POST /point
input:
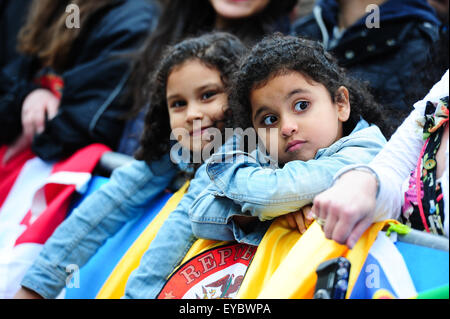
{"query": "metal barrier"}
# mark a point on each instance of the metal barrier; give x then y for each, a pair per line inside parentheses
(110, 161)
(421, 238)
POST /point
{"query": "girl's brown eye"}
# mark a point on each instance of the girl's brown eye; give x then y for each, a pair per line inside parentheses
(176, 104)
(301, 106)
(269, 120)
(208, 95)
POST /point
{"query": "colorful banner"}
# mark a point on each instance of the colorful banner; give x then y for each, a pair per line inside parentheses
(35, 200)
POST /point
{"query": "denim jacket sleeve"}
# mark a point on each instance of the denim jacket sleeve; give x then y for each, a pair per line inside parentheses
(97, 218)
(168, 248)
(211, 215)
(268, 193)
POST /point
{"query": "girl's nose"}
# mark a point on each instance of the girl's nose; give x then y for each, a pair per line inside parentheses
(193, 113)
(288, 128)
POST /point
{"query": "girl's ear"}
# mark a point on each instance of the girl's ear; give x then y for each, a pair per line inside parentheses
(342, 102)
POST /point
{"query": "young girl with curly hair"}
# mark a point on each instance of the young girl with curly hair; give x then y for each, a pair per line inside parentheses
(190, 84)
(312, 120)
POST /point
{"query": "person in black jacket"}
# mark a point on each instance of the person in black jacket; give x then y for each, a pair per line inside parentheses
(64, 90)
(12, 17)
(383, 52)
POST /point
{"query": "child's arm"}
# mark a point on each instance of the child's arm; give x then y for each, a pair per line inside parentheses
(166, 251)
(97, 218)
(268, 193)
(216, 217)
(168, 248)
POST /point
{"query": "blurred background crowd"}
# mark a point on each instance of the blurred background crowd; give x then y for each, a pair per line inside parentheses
(64, 88)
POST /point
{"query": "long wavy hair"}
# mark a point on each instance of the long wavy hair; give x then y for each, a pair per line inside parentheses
(187, 18)
(45, 34)
(218, 50)
(278, 54)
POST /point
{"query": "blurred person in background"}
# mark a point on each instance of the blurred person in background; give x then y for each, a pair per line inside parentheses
(380, 44)
(441, 7)
(12, 17)
(303, 8)
(63, 90)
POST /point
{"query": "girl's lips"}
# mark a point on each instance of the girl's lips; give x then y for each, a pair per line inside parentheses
(199, 132)
(294, 145)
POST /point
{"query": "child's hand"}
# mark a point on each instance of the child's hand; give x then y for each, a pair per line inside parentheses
(25, 293)
(300, 219)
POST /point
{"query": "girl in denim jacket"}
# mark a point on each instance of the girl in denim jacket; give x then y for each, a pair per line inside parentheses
(311, 118)
(189, 94)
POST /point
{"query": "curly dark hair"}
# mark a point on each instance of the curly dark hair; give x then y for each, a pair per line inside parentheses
(277, 54)
(219, 50)
(188, 18)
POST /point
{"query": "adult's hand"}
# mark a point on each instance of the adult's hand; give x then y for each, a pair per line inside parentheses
(346, 209)
(37, 106)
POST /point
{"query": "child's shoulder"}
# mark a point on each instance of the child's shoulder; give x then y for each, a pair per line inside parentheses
(364, 135)
(364, 130)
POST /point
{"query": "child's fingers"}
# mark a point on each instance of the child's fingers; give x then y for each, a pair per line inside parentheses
(300, 222)
(307, 215)
(290, 220)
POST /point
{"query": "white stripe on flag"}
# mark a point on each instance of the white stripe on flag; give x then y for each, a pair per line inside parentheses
(393, 265)
(79, 179)
(20, 197)
(39, 203)
(14, 265)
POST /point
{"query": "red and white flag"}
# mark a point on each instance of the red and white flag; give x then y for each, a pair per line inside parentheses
(34, 199)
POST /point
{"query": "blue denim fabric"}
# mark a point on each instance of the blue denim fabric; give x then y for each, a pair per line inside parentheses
(168, 248)
(267, 192)
(99, 217)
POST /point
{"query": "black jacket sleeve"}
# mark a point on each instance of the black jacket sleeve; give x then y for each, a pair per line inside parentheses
(14, 87)
(91, 102)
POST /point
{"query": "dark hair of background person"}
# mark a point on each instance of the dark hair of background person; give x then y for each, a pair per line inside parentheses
(45, 35)
(426, 75)
(218, 50)
(183, 18)
(278, 54)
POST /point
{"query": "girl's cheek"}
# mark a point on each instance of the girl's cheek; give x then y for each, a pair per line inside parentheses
(171, 120)
(221, 109)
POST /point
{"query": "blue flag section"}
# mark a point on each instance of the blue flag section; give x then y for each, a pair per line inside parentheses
(93, 275)
(401, 270)
(428, 267)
